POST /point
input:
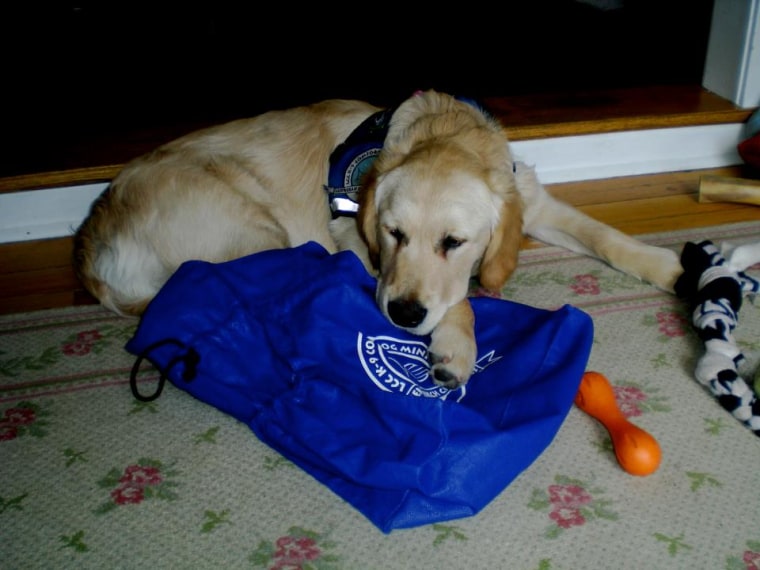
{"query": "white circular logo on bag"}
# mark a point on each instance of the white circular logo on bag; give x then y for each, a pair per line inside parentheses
(401, 366)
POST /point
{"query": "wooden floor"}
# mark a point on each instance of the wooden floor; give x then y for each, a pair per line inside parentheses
(655, 203)
(38, 275)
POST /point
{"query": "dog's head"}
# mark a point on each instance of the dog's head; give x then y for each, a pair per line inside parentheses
(439, 205)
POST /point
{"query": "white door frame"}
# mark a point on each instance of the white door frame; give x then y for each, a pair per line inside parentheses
(732, 63)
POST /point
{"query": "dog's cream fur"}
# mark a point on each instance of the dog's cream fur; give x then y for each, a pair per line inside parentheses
(441, 203)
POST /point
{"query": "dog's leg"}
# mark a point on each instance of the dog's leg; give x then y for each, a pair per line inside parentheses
(556, 223)
(345, 236)
(453, 352)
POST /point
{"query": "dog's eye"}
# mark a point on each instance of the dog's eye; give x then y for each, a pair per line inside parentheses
(398, 235)
(450, 242)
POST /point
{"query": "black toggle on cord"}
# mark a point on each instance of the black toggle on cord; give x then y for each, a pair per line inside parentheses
(190, 359)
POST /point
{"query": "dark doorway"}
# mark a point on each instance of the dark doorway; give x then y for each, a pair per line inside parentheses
(91, 69)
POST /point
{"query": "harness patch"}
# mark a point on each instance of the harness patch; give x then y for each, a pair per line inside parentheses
(350, 161)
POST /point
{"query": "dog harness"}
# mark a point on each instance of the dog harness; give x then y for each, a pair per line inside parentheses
(352, 159)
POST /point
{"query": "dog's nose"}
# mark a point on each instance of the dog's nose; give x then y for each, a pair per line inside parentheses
(406, 313)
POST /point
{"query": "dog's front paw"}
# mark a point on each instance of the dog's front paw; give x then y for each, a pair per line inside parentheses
(452, 356)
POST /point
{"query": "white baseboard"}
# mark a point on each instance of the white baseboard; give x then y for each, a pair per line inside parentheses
(49, 213)
(629, 153)
(57, 212)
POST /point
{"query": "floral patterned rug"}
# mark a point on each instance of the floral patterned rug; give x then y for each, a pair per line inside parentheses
(92, 478)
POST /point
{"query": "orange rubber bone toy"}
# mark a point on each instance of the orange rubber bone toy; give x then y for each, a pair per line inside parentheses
(636, 450)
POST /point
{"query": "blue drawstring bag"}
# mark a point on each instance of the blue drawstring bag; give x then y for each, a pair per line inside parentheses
(292, 343)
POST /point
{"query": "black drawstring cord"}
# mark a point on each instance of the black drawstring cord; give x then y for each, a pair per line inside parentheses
(190, 359)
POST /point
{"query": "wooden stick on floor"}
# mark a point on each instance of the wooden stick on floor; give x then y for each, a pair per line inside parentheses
(726, 189)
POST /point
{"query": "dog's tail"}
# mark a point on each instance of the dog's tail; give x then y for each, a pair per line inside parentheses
(85, 263)
(95, 266)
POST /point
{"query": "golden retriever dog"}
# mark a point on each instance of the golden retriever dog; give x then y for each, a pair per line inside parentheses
(442, 201)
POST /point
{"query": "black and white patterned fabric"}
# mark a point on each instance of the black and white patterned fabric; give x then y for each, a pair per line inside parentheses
(714, 289)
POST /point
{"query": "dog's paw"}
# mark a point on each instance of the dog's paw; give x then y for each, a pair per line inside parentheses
(452, 354)
(741, 257)
(656, 265)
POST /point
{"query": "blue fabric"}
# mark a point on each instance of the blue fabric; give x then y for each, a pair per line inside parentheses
(292, 343)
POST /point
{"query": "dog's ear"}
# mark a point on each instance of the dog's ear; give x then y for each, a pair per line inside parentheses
(500, 258)
(366, 217)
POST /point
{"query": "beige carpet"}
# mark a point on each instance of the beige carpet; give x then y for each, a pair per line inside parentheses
(205, 493)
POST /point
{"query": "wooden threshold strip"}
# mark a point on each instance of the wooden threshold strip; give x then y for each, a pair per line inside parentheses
(530, 132)
(57, 178)
(581, 113)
